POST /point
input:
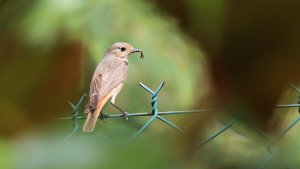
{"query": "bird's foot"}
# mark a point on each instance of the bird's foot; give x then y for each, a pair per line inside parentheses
(126, 115)
(103, 116)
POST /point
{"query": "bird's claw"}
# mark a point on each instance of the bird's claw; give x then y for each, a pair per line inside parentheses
(126, 115)
(103, 116)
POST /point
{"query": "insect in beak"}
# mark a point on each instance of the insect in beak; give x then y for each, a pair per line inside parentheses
(138, 50)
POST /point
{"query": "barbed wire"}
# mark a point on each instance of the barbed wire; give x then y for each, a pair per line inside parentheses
(155, 114)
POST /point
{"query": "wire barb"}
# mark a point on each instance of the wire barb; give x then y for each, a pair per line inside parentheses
(156, 114)
(154, 111)
(74, 117)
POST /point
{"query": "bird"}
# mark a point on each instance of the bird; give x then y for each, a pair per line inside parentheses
(107, 81)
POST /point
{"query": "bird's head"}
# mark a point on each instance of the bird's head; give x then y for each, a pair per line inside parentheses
(122, 50)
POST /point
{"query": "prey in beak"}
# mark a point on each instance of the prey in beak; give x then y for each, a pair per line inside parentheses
(138, 50)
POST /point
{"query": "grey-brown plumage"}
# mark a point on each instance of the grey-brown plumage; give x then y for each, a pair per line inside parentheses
(109, 74)
(107, 81)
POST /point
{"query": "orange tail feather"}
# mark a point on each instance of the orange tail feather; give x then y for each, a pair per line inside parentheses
(92, 117)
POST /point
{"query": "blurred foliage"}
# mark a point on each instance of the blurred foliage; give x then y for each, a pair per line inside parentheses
(251, 47)
(57, 45)
(49, 50)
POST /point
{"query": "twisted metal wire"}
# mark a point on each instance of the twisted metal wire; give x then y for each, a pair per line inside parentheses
(74, 117)
(154, 111)
(273, 142)
(284, 132)
(156, 114)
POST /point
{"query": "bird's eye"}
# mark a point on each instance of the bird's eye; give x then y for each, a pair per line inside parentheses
(122, 49)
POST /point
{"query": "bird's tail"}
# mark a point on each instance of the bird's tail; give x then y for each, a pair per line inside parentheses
(92, 118)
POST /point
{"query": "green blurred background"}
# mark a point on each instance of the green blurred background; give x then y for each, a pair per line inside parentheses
(235, 55)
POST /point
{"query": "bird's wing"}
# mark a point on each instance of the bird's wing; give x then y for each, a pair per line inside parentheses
(94, 90)
(109, 74)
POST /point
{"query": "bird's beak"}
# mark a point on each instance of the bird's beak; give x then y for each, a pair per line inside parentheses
(138, 50)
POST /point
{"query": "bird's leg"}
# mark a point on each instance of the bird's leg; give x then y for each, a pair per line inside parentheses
(103, 116)
(124, 112)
